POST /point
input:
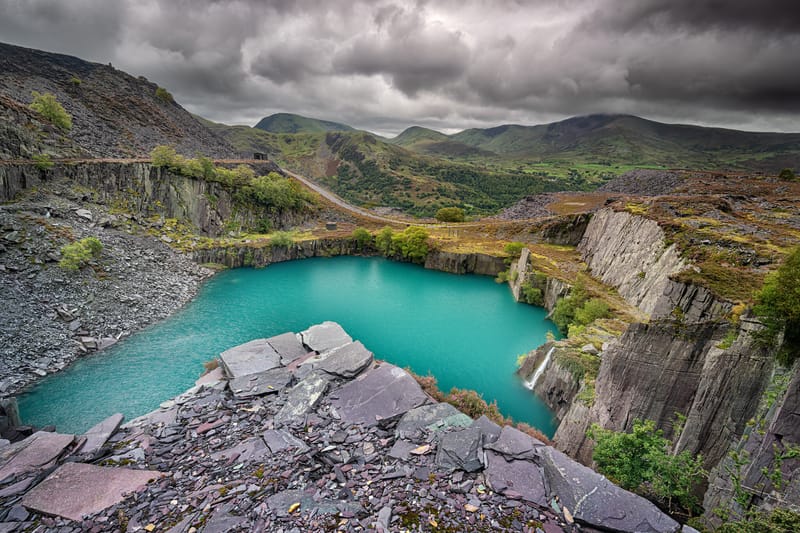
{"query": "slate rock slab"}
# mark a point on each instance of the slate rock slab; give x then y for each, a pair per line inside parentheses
(325, 336)
(249, 358)
(32, 453)
(434, 417)
(281, 502)
(346, 361)
(594, 500)
(278, 440)
(288, 346)
(303, 397)
(97, 436)
(378, 396)
(461, 450)
(78, 489)
(515, 444)
(522, 477)
(261, 383)
(252, 449)
(489, 430)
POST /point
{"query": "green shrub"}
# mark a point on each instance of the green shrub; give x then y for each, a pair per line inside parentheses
(362, 238)
(514, 249)
(43, 161)
(450, 214)
(787, 174)
(532, 295)
(76, 255)
(778, 521)
(778, 306)
(47, 106)
(590, 311)
(281, 239)
(640, 461)
(383, 241)
(411, 243)
(164, 95)
(502, 277)
(278, 193)
(75, 81)
(163, 156)
(564, 312)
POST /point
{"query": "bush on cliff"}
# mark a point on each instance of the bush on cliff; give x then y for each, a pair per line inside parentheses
(577, 310)
(77, 254)
(362, 238)
(411, 243)
(779, 307)
(47, 106)
(641, 461)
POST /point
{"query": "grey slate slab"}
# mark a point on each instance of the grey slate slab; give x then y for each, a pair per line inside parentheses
(78, 489)
(379, 395)
(288, 346)
(325, 336)
(433, 417)
(32, 453)
(261, 383)
(515, 444)
(594, 500)
(249, 358)
(279, 439)
(524, 478)
(461, 450)
(401, 449)
(282, 501)
(489, 430)
(346, 361)
(97, 436)
(303, 397)
(252, 449)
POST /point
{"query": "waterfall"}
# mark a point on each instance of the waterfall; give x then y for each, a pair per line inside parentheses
(540, 370)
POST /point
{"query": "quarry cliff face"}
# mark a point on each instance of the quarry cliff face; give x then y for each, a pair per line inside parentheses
(689, 360)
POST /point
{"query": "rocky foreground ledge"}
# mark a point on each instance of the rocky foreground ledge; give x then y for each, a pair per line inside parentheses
(307, 432)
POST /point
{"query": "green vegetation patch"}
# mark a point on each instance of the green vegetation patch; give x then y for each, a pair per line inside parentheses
(78, 254)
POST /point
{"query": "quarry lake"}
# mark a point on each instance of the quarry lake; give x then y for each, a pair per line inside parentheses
(467, 331)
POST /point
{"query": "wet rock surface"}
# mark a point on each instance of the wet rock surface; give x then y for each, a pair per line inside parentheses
(332, 462)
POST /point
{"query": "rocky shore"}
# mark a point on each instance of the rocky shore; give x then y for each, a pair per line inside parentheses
(51, 316)
(307, 432)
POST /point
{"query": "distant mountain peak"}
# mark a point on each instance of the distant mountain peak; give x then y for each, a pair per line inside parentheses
(293, 123)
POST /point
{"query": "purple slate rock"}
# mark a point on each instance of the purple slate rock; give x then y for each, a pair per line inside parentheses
(252, 449)
(325, 336)
(222, 521)
(278, 440)
(288, 346)
(32, 453)
(378, 396)
(97, 436)
(249, 358)
(521, 477)
(489, 430)
(460, 450)
(78, 489)
(303, 397)
(515, 444)
(346, 361)
(594, 500)
(261, 383)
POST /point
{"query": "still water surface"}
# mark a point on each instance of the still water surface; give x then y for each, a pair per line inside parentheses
(465, 330)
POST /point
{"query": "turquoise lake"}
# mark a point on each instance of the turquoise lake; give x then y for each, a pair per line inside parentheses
(465, 330)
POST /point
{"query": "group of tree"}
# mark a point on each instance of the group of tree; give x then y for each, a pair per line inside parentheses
(577, 310)
(411, 243)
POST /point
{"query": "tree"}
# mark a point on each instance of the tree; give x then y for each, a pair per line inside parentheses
(163, 156)
(514, 249)
(640, 461)
(412, 243)
(450, 214)
(47, 106)
(778, 306)
(362, 238)
(383, 241)
(787, 174)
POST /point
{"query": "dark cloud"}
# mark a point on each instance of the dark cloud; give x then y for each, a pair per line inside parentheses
(385, 64)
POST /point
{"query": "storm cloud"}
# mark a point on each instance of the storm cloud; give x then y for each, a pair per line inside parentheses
(448, 64)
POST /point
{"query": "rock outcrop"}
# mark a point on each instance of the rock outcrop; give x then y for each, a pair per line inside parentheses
(324, 451)
(521, 273)
(465, 263)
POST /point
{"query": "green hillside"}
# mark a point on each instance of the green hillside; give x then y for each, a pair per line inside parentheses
(291, 123)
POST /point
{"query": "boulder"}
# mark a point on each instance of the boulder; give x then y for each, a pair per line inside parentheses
(288, 346)
(261, 383)
(379, 396)
(346, 361)
(594, 500)
(325, 336)
(78, 489)
(433, 417)
(461, 450)
(489, 430)
(303, 397)
(250, 358)
(515, 478)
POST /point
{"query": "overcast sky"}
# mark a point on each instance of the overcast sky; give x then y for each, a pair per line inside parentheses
(447, 64)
